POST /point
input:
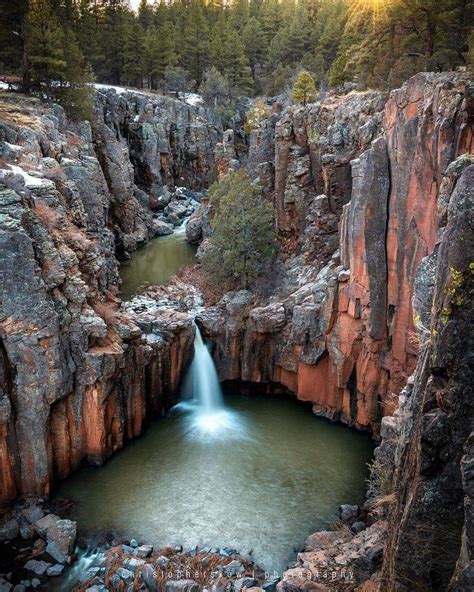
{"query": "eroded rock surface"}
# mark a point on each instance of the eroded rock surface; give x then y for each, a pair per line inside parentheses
(78, 376)
(357, 181)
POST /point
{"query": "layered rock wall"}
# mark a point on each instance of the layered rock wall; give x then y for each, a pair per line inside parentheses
(78, 376)
(340, 332)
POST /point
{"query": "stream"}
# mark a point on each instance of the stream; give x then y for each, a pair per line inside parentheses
(156, 262)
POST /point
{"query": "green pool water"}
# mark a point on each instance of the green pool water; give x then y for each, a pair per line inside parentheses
(275, 475)
(155, 263)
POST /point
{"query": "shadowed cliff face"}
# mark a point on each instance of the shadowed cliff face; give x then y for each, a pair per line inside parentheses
(78, 377)
(340, 331)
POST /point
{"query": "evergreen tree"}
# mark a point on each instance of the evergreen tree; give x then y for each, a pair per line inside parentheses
(304, 90)
(55, 66)
(242, 242)
(178, 79)
(134, 55)
(12, 35)
(75, 91)
(215, 87)
(44, 48)
(254, 42)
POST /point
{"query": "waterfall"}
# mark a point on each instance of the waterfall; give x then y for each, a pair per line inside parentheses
(209, 419)
(206, 388)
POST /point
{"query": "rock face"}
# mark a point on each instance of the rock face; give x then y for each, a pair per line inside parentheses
(433, 507)
(147, 145)
(78, 377)
(342, 332)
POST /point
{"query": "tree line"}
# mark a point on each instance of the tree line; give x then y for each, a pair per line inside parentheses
(240, 47)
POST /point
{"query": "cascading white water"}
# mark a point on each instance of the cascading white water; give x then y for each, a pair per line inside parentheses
(209, 418)
(206, 388)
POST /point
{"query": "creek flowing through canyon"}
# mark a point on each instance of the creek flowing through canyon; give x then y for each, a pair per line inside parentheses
(251, 472)
(156, 262)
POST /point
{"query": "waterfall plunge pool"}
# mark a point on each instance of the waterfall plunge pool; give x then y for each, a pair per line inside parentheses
(278, 477)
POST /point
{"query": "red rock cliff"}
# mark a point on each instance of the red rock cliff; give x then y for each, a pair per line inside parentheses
(340, 331)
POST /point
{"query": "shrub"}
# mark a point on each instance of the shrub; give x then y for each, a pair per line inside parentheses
(255, 116)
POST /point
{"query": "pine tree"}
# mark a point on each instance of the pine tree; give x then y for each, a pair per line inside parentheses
(215, 87)
(242, 243)
(304, 90)
(55, 67)
(75, 93)
(45, 63)
(134, 55)
(12, 35)
(254, 42)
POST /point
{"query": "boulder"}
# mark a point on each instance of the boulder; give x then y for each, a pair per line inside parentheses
(60, 540)
(149, 575)
(270, 584)
(4, 585)
(125, 574)
(9, 530)
(43, 524)
(55, 570)
(162, 228)
(181, 586)
(37, 567)
(348, 512)
(234, 568)
(32, 513)
(144, 551)
(162, 561)
(325, 539)
(244, 583)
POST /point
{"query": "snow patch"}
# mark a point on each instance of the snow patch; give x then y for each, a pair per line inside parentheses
(14, 147)
(193, 99)
(31, 182)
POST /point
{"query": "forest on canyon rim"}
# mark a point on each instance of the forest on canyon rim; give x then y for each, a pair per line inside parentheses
(229, 49)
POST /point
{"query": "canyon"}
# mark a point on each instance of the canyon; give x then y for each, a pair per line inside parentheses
(367, 316)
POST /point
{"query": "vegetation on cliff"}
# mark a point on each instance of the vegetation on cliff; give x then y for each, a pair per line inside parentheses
(242, 242)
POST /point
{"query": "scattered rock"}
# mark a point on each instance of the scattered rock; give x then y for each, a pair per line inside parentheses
(234, 568)
(149, 576)
(55, 570)
(125, 574)
(32, 513)
(358, 526)
(242, 583)
(5, 586)
(144, 551)
(133, 543)
(37, 567)
(348, 512)
(27, 531)
(161, 561)
(134, 564)
(182, 586)
(270, 584)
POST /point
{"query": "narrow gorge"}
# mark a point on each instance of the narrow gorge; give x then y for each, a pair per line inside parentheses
(365, 316)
